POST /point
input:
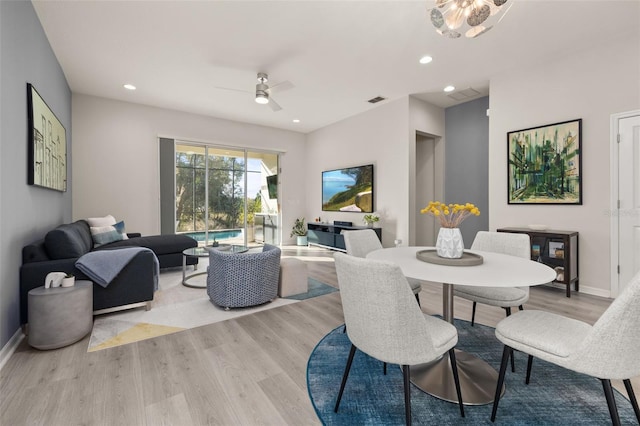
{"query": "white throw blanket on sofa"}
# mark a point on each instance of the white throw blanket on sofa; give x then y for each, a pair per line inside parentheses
(103, 266)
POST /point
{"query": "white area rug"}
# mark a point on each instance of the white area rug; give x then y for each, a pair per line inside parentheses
(174, 308)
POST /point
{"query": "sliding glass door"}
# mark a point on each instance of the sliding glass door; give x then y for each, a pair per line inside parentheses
(222, 194)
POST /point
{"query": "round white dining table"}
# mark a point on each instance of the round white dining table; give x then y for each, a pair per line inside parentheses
(477, 378)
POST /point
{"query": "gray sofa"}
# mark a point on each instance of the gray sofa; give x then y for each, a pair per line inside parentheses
(134, 285)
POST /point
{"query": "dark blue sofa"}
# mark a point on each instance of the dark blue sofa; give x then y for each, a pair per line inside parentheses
(62, 246)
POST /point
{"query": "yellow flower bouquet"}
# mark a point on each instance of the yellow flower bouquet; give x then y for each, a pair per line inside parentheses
(450, 215)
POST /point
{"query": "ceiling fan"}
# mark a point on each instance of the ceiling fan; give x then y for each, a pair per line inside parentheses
(263, 93)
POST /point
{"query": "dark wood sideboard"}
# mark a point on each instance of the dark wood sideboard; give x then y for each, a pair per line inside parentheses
(557, 249)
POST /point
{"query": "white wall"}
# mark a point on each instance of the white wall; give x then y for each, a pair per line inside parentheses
(384, 136)
(115, 152)
(590, 85)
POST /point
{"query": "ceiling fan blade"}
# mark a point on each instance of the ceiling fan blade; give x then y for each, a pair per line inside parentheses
(282, 86)
(274, 105)
(233, 90)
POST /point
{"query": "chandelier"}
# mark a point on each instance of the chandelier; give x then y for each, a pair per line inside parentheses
(471, 17)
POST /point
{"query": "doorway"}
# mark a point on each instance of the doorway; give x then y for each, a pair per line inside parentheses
(625, 199)
(226, 195)
(429, 174)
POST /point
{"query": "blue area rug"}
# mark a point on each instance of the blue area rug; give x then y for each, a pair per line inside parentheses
(316, 288)
(555, 396)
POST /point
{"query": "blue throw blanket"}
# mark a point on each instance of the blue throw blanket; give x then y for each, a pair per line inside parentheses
(103, 266)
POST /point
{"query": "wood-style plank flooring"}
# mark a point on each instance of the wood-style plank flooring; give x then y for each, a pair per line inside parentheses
(244, 371)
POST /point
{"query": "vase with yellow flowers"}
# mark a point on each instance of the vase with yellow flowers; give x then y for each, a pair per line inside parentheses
(449, 243)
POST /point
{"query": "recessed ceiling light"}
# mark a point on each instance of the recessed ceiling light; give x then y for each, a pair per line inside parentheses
(426, 59)
(295, 120)
(449, 89)
(129, 87)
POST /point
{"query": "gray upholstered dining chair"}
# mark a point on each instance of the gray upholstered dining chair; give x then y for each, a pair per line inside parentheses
(362, 242)
(384, 322)
(607, 350)
(236, 280)
(503, 297)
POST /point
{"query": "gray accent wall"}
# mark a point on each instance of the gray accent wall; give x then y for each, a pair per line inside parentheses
(26, 212)
(467, 162)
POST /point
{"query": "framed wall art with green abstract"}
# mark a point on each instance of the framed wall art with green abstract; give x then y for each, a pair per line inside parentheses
(545, 164)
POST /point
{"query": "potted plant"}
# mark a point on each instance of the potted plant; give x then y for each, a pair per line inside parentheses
(300, 231)
(370, 219)
(69, 280)
(449, 243)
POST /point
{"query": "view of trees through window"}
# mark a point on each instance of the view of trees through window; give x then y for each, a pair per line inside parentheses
(219, 203)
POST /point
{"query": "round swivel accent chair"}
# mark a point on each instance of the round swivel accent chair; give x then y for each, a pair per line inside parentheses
(238, 280)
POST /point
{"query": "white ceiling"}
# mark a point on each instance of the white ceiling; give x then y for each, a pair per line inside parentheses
(337, 54)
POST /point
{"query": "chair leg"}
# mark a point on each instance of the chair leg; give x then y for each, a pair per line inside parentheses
(456, 379)
(611, 402)
(529, 363)
(407, 394)
(521, 308)
(503, 369)
(632, 398)
(384, 368)
(513, 364)
(352, 352)
(473, 314)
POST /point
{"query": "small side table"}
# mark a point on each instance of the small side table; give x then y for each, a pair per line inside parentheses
(202, 252)
(60, 316)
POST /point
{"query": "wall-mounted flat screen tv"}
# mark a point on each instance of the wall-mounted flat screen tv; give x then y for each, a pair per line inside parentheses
(272, 186)
(348, 190)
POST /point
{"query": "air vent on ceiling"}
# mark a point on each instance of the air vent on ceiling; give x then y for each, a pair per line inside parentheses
(463, 95)
(376, 100)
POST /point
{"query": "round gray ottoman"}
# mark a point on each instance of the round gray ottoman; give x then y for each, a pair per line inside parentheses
(60, 316)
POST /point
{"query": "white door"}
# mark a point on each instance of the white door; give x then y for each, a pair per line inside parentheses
(629, 196)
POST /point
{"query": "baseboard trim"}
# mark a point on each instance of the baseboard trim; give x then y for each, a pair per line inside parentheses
(10, 347)
(595, 291)
(583, 289)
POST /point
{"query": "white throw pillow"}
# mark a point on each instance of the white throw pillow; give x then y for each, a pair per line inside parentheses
(101, 221)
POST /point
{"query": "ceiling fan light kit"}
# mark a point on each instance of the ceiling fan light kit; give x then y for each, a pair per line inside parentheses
(262, 94)
(262, 89)
(452, 18)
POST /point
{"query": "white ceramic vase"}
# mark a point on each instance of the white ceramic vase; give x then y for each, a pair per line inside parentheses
(301, 240)
(449, 243)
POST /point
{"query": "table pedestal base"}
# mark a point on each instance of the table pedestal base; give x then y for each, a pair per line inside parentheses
(477, 379)
(187, 277)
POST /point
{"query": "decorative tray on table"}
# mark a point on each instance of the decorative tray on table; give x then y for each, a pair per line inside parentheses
(467, 259)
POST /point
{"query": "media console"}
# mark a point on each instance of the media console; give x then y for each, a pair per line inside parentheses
(330, 236)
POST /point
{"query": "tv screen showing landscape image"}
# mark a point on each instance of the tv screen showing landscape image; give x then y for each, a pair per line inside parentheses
(348, 190)
(272, 186)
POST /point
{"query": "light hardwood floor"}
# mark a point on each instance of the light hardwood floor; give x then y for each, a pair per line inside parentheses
(245, 371)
